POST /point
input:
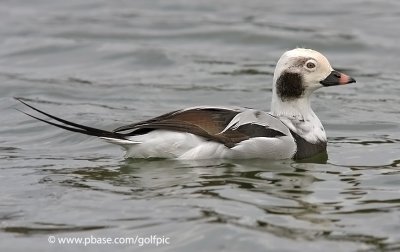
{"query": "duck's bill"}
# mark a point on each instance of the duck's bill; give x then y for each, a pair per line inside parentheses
(337, 78)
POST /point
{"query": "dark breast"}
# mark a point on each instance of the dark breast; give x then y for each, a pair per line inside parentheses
(306, 149)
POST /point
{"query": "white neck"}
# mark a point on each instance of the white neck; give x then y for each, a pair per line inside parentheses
(291, 108)
(298, 115)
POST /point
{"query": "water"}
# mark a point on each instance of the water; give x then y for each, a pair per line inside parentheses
(107, 63)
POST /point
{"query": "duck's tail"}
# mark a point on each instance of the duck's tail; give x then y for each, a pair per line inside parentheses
(110, 136)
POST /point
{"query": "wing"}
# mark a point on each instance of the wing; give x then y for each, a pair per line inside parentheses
(223, 125)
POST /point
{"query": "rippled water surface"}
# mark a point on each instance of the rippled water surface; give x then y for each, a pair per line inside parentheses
(106, 63)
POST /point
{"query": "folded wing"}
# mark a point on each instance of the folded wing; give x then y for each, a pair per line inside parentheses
(223, 125)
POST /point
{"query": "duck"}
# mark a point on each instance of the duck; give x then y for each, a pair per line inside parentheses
(290, 130)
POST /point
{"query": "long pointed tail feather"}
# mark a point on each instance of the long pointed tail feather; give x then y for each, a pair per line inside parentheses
(74, 127)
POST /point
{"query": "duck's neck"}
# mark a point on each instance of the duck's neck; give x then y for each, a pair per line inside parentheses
(299, 107)
(299, 117)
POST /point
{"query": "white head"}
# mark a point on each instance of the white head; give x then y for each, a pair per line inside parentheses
(298, 73)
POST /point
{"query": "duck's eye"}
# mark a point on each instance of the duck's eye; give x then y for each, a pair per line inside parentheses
(310, 65)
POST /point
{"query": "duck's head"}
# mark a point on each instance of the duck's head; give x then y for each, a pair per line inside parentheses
(301, 71)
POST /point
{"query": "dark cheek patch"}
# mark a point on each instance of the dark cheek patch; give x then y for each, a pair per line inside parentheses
(289, 86)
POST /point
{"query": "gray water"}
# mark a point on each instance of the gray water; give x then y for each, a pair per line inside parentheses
(108, 63)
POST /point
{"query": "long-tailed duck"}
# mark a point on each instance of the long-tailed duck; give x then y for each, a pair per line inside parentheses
(290, 130)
